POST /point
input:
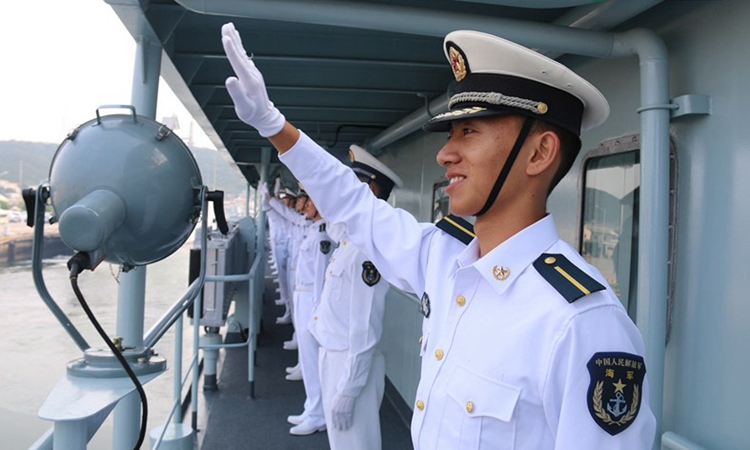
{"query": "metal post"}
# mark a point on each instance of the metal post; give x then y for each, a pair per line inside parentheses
(177, 368)
(132, 290)
(70, 434)
(258, 276)
(197, 308)
(247, 200)
(130, 311)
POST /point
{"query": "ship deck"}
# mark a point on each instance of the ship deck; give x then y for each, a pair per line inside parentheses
(229, 418)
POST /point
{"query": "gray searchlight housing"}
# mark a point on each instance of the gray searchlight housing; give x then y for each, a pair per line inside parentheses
(125, 189)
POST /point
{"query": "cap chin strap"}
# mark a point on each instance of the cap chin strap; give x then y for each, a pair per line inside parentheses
(508, 164)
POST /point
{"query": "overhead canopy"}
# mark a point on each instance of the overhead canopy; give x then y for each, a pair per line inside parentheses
(367, 72)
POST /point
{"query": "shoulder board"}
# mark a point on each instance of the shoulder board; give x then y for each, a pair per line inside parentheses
(457, 227)
(570, 281)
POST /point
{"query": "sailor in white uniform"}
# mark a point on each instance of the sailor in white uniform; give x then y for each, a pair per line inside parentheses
(314, 254)
(279, 230)
(295, 224)
(525, 345)
(348, 324)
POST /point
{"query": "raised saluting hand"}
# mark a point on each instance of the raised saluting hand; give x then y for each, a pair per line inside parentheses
(248, 89)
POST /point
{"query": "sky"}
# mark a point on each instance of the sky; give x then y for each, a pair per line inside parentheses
(61, 60)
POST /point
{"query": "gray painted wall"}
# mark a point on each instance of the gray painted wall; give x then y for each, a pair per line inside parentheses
(706, 364)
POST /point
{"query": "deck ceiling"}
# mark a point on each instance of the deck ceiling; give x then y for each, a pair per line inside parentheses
(336, 69)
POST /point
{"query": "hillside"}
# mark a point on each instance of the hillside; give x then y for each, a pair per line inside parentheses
(29, 162)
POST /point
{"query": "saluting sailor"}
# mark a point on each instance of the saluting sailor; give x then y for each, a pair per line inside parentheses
(348, 324)
(526, 346)
(315, 252)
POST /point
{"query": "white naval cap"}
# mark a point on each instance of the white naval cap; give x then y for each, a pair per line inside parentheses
(495, 76)
(363, 163)
(288, 192)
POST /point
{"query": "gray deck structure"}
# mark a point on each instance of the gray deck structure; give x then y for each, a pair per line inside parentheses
(230, 419)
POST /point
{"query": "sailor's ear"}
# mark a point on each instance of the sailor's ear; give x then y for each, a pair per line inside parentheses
(545, 149)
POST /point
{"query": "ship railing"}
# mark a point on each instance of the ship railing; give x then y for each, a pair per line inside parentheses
(174, 316)
(254, 278)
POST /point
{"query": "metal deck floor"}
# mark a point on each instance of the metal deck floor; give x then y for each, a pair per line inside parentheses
(229, 418)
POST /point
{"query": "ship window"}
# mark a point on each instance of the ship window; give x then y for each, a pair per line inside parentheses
(609, 225)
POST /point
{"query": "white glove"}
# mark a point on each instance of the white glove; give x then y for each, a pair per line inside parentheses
(264, 196)
(342, 411)
(247, 89)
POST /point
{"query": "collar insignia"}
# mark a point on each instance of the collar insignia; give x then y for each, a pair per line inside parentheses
(616, 389)
(500, 273)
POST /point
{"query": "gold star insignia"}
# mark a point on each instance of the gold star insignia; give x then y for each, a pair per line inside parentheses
(619, 386)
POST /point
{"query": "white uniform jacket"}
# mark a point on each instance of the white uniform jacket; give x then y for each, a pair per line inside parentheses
(507, 363)
(350, 314)
(315, 252)
(296, 229)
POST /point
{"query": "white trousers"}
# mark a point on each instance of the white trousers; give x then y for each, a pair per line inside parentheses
(364, 433)
(307, 349)
(281, 255)
(291, 276)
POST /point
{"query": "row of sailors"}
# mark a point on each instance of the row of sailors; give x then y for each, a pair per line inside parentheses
(335, 299)
(525, 344)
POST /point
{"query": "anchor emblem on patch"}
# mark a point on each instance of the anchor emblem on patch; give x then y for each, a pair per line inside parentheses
(424, 305)
(616, 389)
(325, 247)
(370, 274)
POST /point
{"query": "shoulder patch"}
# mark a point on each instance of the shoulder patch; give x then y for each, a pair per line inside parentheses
(370, 274)
(615, 390)
(325, 246)
(457, 227)
(570, 281)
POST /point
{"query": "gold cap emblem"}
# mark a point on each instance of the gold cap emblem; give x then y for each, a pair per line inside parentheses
(457, 63)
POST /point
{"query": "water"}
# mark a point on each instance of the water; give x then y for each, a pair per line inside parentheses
(35, 348)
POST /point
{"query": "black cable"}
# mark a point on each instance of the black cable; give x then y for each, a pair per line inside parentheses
(76, 265)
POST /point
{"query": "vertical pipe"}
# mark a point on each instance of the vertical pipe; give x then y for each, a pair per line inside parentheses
(130, 306)
(653, 234)
(251, 333)
(70, 434)
(146, 73)
(197, 309)
(247, 201)
(257, 279)
(132, 289)
(177, 368)
(260, 224)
